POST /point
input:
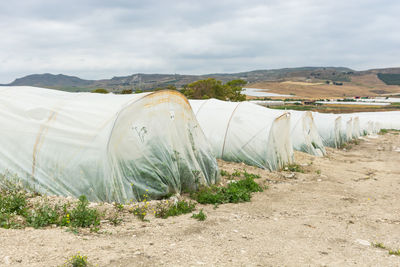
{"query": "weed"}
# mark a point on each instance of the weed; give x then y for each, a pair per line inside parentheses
(234, 192)
(115, 219)
(383, 131)
(83, 216)
(294, 168)
(9, 221)
(236, 173)
(13, 202)
(118, 206)
(140, 210)
(43, 216)
(167, 209)
(224, 173)
(394, 252)
(382, 246)
(318, 172)
(201, 216)
(250, 175)
(379, 245)
(77, 261)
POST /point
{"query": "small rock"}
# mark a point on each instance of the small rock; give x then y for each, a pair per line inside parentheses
(319, 180)
(363, 242)
(289, 175)
(7, 260)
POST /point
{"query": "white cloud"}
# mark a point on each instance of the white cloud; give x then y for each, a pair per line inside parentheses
(99, 39)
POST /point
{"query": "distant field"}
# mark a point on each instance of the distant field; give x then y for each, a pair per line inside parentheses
(339, 108)
(361, 85)
(301, 83)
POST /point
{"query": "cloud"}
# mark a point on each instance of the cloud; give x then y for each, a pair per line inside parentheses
(99, 39)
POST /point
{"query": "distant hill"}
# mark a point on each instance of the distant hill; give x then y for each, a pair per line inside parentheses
(152, 81)
(48, 80)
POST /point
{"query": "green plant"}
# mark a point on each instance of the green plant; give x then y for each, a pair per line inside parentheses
(83, 216)
(251, 175)
(100, 91)
(394, 252)
(13, 202)
(379, 245)
(201, 216)
(294, 168)
(224, 173)
(212, 88)
(234, 192)
(167, 209)
(9, 221)
(118, 206)
(77, 261)
(383, 131)
(236, 173)
(318, 172)
(115, 219)
(43, 216)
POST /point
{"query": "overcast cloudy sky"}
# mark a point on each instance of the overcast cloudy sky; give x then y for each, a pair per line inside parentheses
(96, 39)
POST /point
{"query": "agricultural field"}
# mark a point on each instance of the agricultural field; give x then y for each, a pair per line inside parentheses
(341, 209)
(360, 85)
(339, 108)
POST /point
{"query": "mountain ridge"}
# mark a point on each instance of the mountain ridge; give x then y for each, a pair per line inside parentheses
(142, 81)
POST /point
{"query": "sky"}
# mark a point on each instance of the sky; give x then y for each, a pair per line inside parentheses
(99, 39)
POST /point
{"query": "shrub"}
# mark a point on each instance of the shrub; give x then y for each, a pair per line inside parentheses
(100, 91)
(211, 88)
(126, 91)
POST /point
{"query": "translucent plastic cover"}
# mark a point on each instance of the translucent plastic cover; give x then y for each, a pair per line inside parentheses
(107, 147)
(246, 132)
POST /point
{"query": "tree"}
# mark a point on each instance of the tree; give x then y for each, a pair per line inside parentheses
(100, 91)
(211, 88)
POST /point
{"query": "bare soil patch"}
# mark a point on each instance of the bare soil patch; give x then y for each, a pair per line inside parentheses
(327, 216)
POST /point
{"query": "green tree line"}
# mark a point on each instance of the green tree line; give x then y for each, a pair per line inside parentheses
(211, 88)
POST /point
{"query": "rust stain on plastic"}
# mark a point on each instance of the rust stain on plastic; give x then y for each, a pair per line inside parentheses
(40, 138)
(284, 116)
(166, 96)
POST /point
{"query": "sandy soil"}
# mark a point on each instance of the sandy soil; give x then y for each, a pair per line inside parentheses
(327, 216)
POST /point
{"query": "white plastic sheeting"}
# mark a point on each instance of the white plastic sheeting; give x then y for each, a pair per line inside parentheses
(373, 122)
(107, 147)
(246, 132)
(329, 127)
(304, 133)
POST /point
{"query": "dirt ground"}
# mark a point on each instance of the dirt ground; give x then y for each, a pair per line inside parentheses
(328, 216)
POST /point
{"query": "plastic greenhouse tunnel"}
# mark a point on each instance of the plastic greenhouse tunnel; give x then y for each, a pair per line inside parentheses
(105, 146)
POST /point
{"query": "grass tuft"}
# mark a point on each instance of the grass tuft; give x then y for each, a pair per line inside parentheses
(201, 216)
